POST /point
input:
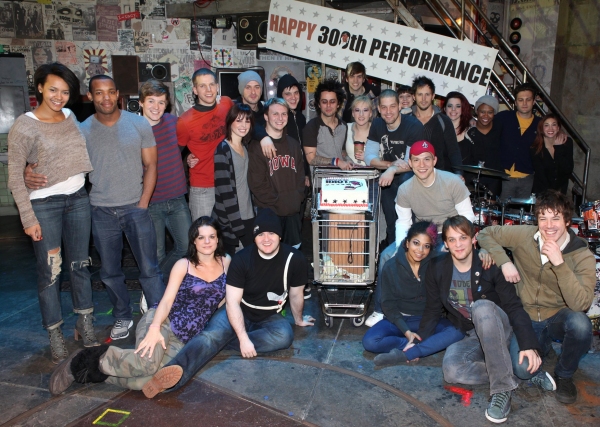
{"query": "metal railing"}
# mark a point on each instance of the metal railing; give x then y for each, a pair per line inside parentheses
(513, 66)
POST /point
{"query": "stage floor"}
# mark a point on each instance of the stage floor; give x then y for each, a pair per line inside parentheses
(325, 379)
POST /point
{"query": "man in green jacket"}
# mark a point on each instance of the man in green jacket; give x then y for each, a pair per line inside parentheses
(555, 275)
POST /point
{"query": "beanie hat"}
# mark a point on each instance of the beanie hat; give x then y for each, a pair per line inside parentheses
(266, 220)
(247, 77)
(285, 81)
(488, 100)
(421, 147)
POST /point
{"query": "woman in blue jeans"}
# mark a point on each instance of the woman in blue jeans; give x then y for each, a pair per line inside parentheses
(403, 301)
(57, 216)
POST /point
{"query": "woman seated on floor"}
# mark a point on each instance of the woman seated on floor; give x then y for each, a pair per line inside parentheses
(403, 302)
(196, 289)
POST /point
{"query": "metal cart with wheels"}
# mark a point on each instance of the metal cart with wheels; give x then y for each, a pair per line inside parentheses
(345, 245)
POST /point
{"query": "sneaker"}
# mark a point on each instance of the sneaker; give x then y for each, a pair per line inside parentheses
(566, 392)
(120, 329)
(143, 304)
(164, 379)
(499, 407)
(374, 318)
(307, 293)
(544, 380)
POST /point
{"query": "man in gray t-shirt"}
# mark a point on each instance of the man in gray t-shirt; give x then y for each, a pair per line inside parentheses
(123, 153)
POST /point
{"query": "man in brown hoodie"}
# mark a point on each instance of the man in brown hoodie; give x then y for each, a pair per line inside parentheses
(278, 183)
(555, 275)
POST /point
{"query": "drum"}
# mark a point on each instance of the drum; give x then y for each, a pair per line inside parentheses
(511, 219)
(527, 219)
(481, 216)
(495, 217)
(577, 225)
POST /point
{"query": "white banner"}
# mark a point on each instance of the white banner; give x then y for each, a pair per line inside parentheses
(389, 51)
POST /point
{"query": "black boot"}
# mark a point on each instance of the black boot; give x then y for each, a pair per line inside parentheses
(85, 366)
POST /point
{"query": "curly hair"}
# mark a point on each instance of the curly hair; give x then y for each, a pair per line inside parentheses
(422, 227)
(556, 202)
(330, 85)
(466, 112)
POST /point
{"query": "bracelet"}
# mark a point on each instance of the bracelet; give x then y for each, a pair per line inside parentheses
(154, 326)
(337, 161)
(333, 161)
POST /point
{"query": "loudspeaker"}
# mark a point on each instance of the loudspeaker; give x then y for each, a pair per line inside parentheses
(154, 70)
(252, 29)
(125, 73)
(133, 105)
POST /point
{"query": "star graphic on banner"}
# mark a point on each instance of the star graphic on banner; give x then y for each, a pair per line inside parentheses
(307, 49)
(459, 89)
(342, 20)
(441, 45)
(320, 52)
(355, 24)
(289, 8)
(374, 65)
(486, 56)
(474, 93)
(294, 46)
(402, 73)
(272, 39)
(369, 27)
(471, 52)
(456, 48)
(315, 14)
(302, 11)
(388, 69)
(329, 17)
(346, 59)
(384, 31)
(275, 5)
(413, 38)
(426, 41)
(332, 55)
(398, 34)
(283, 43)
(445, 85)
(414, 76)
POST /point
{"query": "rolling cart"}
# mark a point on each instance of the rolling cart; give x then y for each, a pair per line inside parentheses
(345, 246)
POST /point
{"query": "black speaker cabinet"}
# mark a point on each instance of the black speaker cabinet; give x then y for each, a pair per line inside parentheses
(252, 29)
(133, 105)
(125, 73)
(154, 70)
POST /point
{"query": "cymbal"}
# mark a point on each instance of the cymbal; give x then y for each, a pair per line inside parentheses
(482, 170)
(530, 201)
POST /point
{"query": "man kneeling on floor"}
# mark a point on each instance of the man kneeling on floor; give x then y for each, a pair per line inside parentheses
(486, 307)
(258, 282)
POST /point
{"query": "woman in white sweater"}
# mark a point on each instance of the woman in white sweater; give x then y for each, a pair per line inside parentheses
(57, 216)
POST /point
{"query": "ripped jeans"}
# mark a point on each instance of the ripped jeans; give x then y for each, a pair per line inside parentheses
(64, 219)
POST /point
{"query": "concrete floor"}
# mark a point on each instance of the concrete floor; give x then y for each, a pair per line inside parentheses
(325, 379)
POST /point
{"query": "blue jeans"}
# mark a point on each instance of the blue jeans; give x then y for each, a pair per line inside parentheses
(108, 226)
(483, 354)
(273, 333)
(173, 214)
(385, 336)
(573, 328)
(66, 219)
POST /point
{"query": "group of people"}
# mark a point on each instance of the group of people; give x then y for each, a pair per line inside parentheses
(237, 240)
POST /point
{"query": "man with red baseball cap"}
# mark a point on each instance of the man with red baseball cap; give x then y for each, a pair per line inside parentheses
(431, 195)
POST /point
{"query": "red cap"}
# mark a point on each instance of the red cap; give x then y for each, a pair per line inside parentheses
(421, 147)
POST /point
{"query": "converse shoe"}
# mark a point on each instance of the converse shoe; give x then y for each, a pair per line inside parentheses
(566, 392)
(499, 407)
(374, 318)
(544, 380)
(120, 329)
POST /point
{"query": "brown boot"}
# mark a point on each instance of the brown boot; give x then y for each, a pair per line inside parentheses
(164, 379)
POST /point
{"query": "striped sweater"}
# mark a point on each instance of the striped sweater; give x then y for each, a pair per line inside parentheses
(226, 210)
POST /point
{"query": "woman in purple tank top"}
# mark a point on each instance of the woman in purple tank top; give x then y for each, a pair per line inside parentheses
(196, 289)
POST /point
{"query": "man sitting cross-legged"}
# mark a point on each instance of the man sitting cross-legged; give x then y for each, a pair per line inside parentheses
(486, 307)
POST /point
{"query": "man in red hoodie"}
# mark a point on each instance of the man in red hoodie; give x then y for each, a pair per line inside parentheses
(278, 183)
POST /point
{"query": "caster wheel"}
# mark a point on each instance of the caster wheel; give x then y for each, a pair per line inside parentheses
(358, 321)
(329, 321)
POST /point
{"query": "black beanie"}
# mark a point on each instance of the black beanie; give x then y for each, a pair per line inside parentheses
(285, 81)
(266, 220)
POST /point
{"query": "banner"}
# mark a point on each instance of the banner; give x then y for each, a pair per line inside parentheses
(388, 51)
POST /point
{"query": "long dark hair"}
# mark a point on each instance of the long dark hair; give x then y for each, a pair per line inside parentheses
(538, 143)
(239, 110)
(422, 227)
(466, 113)
(59, 70)
(192, 253)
